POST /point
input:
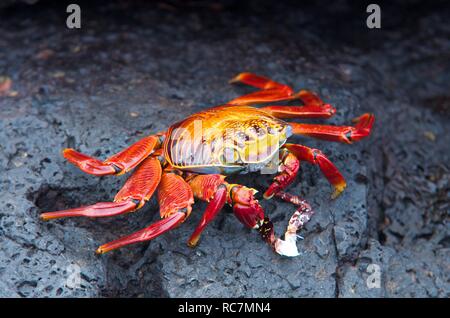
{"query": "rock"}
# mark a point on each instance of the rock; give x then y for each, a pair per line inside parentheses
(392, 213)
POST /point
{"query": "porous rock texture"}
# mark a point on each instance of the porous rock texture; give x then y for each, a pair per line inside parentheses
(135, 68)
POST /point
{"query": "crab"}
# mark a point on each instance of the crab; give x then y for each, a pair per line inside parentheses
(193, 157)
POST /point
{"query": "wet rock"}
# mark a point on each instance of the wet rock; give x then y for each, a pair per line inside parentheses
(381, 271)
(392, 214)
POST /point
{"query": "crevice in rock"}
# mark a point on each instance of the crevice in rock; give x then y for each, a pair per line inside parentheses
(52, 198)
(337, 270)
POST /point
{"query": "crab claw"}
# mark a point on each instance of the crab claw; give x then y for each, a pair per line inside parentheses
(245, 207)
(251, 214)
(288, 247)
(297, 221)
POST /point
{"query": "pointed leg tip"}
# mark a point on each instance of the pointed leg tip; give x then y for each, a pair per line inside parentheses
(271, 191)
(330, 108)
(363, 126)
(193, 242)
(366, 117)
(47, 216)
(338, 189)
(268, 196)
(90, 165)
(101, 250)
(67, 151)
(303, 92)
(234, 80)
(44, 217)
(370, 118)
(237, 78)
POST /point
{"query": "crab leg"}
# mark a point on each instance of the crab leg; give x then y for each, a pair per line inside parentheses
(289, 169)
(325, 111)
(293, 199)
(301, 216)
(271, 91)
(145, 234)
(175, 199)
(210, 188)
(345, 134)
(119, 163)
(246, 208)
(316, 157)
(214, 207)
(137, 190)
(303, 213)
(250, 213)
(313, 107)
(257, 81)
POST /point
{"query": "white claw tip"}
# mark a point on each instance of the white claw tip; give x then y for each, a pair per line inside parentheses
(288, 247)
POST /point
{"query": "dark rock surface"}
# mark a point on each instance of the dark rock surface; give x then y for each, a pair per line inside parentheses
(133, 69)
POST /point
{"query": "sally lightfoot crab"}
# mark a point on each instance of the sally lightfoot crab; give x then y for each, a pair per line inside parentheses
(192, 158)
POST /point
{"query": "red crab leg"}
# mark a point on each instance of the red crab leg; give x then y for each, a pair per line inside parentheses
(137, 190)
(174, 195)
(210, 188)
(316, 157)
(119, 163)
(213, 208)
(175, 199)
(245, 207)
(345, 134)
(145, 234)
(303, 213)
(289, 169)
(271, 91)
(257, 81)
(293, 199)
(313, 107)
(264, 96)
(325, 111)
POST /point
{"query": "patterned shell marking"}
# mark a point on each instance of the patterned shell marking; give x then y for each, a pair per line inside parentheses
(227, 138)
